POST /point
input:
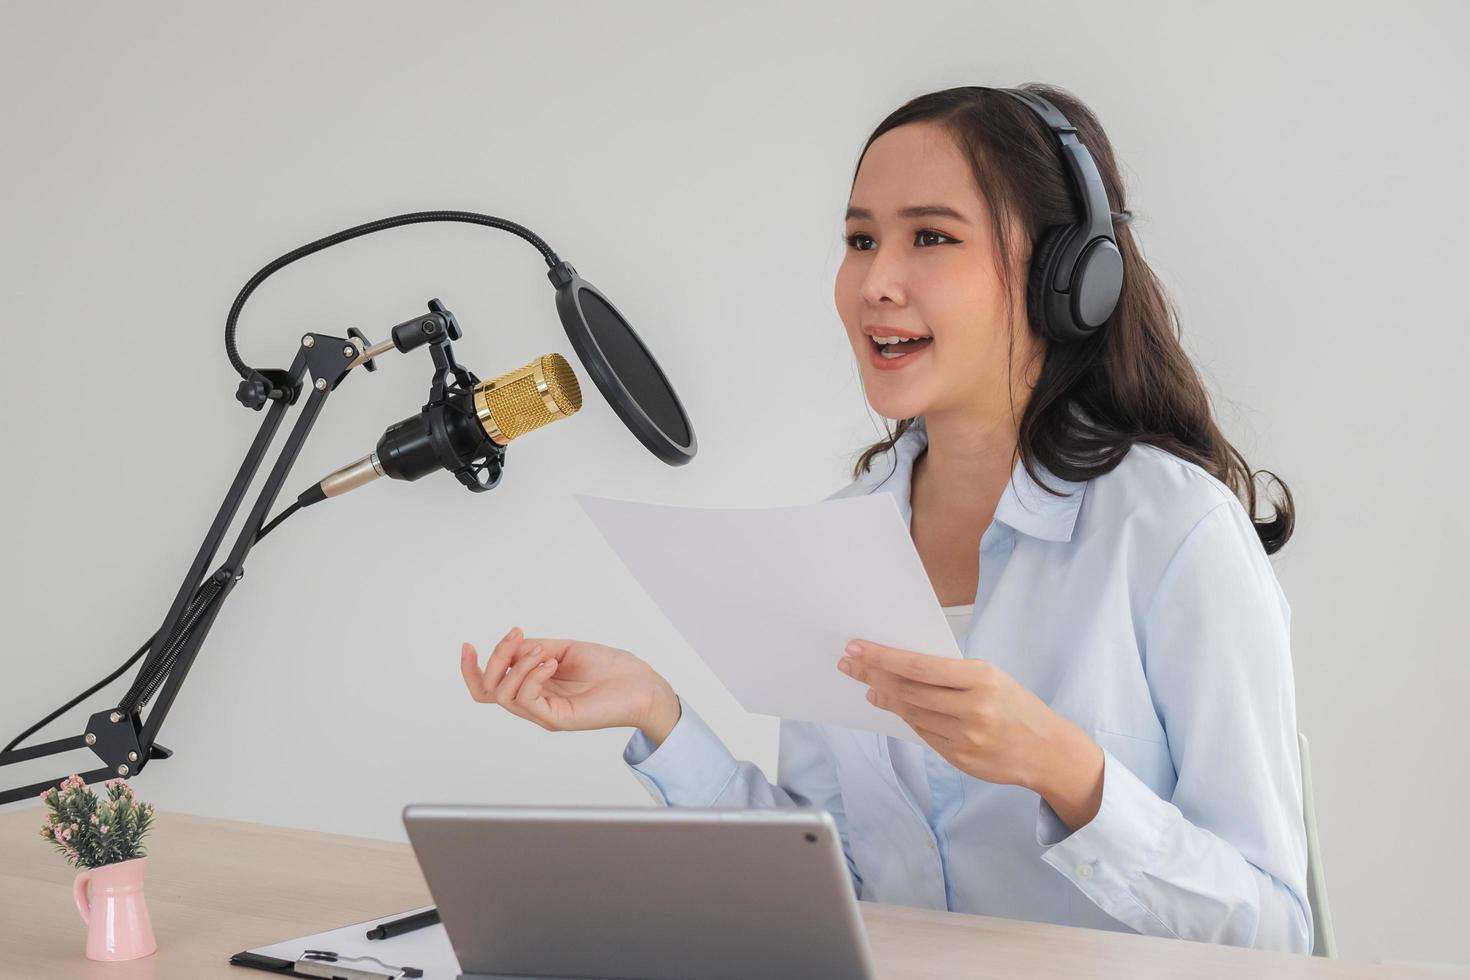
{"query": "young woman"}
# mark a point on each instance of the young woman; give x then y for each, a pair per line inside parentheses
(1117, 748)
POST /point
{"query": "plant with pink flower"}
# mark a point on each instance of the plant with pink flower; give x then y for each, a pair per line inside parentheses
(91, 832)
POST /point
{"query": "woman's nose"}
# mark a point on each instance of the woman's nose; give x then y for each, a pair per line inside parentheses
(883, 280)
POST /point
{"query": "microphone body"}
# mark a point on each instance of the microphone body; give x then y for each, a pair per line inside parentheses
(464, 426)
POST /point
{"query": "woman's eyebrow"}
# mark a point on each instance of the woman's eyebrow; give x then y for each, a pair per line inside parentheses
(913, 211)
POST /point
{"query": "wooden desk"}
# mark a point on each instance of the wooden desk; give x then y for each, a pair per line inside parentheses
(216, 887)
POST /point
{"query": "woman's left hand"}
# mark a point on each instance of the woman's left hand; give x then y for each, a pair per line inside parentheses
(985, 723)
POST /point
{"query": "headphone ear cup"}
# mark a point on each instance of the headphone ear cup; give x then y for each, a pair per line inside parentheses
(1042, 272)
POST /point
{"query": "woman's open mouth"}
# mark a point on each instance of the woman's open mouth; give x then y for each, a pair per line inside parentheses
(889, 357)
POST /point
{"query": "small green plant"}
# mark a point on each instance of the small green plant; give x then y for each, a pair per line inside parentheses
(91, 832)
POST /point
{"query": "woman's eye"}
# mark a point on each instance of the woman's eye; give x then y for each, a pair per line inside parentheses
(922, 239)
(935, 234)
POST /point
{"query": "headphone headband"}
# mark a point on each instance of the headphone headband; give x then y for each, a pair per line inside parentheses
(1077, 271)
(1096, 217)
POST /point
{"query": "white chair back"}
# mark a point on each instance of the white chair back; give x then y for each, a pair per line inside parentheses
(1323, 941)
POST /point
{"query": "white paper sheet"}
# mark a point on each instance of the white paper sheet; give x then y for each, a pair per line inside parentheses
(768, 597)
(428, 949)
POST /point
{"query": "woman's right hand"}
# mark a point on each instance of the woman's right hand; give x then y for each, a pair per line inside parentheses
(571, 685)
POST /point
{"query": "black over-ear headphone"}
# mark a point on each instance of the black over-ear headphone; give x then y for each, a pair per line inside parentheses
(1076, 270)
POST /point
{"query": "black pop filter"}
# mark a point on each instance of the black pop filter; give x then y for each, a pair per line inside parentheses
(623, 368)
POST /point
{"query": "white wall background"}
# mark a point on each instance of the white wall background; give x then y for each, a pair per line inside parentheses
(1298, 171)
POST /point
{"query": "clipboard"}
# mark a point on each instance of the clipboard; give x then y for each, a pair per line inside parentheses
(427, 950)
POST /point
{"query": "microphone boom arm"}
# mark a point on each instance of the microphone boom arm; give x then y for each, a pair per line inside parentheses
(121, 736)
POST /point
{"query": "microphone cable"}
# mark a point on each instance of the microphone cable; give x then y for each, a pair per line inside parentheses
(248, 373)
(204, 598)
(146, 684)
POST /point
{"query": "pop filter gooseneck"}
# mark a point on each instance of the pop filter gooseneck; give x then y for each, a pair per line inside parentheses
(623, 369)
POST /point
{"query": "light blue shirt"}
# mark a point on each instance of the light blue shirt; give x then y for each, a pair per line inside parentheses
(1142, 607)
(911, 760)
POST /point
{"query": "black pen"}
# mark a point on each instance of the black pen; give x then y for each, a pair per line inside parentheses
(408, 923)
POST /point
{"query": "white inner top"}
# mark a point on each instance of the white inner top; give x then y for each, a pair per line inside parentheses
(908, 757)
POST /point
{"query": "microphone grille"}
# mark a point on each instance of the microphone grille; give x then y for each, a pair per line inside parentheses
(527, 398)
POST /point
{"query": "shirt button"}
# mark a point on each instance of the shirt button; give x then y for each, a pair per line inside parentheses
(1084, 871)
(930, 842)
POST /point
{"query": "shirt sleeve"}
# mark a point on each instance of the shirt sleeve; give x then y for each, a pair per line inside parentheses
(692, 767)
(1224, 859)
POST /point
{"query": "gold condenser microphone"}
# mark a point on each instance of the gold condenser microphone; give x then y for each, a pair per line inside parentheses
(500, 410)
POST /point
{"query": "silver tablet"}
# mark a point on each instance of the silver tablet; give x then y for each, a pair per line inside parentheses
(653, 893)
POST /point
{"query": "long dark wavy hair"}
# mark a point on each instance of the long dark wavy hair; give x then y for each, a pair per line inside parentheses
(1129, 382)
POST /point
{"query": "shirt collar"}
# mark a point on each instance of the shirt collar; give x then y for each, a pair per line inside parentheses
(1024, 505)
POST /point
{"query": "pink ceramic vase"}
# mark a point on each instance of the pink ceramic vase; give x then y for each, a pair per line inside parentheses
(110, 899)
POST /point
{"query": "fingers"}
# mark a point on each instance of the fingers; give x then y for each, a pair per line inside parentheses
(922, 720)
(941, 743)
(944, 700)
(469, 666)
(500, 659)
(482, 685)
(510, 684)
(923, 667)
(508, 689)
(529, 699)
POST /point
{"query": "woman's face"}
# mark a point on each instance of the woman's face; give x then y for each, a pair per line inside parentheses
(929, 274)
